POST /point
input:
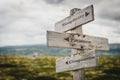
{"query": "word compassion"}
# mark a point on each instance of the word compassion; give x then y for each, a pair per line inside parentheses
(74, 61)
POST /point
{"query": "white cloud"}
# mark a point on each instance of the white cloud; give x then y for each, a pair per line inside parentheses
(26, 21)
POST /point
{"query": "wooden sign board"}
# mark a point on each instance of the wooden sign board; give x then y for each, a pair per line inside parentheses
(86, 60)
(76, 41)
(79, 18)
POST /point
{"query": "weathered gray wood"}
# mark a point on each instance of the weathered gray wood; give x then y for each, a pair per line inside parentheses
(78, 74)
(79, 18)
(88, 59)
(76, 41)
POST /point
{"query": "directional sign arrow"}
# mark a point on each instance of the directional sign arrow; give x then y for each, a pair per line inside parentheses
(76, 41)
(81, 17)
(86, 14)
(88, 59)
(67, 39)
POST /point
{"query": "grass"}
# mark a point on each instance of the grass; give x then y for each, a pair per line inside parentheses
(43, 68)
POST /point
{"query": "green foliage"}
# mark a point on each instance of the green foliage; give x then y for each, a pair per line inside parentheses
(108, 69)
(43, 68)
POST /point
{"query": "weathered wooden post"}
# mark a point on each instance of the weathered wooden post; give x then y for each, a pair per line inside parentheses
(77, 74)
(69, 35)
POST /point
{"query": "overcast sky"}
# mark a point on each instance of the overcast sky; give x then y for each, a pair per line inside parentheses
(25, 22)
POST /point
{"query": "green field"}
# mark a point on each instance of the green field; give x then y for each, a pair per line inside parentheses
(43, 68)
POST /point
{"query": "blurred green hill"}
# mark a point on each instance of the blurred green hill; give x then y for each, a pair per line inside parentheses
(44, 50)
(22, 67)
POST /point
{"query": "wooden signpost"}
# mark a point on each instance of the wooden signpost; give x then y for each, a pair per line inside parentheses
(76, 41)
(78, 18)
(83, 46)
(88, 59)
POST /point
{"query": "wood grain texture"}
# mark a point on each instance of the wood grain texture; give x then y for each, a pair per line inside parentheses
(76, 41)
(79, 74)
(88, 59)
(79, 18)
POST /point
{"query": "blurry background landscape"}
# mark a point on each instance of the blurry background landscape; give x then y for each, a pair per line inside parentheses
(47, 51)
(37, 62)
(23, 51)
